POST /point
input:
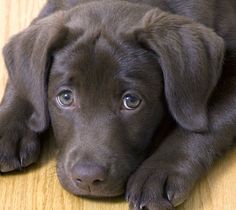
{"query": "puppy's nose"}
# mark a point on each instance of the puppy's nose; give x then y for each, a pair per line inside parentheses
(87, 175)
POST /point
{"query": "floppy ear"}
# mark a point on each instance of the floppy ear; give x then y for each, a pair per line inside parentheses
(27, 57)
(190, 56)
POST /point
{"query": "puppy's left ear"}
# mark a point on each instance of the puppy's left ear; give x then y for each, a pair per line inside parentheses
(190, 56)
(28, 57)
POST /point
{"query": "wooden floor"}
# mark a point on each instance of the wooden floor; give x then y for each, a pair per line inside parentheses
(38, 187)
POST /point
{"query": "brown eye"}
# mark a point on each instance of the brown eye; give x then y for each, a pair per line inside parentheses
(131, 101)
(65, 98)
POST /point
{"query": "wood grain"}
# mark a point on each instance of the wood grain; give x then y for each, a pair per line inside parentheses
(38, 188)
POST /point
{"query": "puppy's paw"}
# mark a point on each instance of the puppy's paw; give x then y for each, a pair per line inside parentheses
(157, 186)
(19, 146)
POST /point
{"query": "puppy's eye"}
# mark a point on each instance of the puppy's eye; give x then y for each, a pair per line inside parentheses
(65, 98)
(131, 101)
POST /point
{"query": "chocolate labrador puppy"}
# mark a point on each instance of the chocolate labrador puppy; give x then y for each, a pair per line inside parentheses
(107, 76)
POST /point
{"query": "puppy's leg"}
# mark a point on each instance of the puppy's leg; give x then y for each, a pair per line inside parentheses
(19, 146)
(166, 178)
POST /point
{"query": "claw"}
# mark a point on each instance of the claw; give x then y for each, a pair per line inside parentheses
(127, 196)
(170, 195)
(142, 206)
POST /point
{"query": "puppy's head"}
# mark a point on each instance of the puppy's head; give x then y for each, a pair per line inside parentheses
(99, 73)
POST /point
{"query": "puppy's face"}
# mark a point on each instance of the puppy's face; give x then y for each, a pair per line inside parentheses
(107, 63)
(105, 104)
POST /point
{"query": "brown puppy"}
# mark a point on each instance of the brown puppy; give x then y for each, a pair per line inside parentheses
(106, 75)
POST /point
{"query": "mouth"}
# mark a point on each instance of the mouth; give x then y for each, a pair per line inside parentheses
(95, 195)
(105, 190)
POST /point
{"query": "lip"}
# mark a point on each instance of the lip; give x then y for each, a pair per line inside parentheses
(93, 194)
(98, 194)
(71, 187)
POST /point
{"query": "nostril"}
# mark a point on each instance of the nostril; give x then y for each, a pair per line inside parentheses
(97, 181)
(78, 180)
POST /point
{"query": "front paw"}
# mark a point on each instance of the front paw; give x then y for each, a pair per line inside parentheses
(19, 146)
(158, 186)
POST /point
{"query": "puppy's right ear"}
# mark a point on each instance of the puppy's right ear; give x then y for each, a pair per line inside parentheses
(27, 57)
(191, 57)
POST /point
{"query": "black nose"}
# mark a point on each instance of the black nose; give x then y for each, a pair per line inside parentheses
(87, 175)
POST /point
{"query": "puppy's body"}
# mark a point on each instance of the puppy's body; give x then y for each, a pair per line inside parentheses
(215, 14)
(101, 56)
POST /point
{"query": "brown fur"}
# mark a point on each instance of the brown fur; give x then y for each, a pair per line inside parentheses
(180, 59)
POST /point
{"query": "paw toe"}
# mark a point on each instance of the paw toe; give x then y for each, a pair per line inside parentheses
(177, 189)
(17, 152)
(9, 163)
(29, 150)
